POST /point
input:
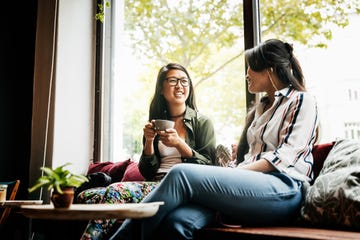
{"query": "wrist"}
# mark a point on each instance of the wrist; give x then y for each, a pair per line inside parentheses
(185, 150)
(181, 144)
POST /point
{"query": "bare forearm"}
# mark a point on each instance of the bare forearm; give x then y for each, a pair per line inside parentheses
(184, 149)
(148, 148)
(261, 165)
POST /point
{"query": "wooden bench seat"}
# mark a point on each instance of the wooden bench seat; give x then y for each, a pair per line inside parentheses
(249, 233)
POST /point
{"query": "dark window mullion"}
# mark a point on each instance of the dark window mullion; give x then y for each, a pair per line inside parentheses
(251, 14)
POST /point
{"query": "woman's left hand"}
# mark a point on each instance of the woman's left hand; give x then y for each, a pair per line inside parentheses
(169, 137)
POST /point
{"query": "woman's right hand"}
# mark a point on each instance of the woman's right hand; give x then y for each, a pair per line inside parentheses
(149, 131)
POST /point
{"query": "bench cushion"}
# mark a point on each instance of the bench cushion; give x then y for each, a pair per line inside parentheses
(115, 170)
(288, 232)
(334, 198)
(132, 173)
(320, 152)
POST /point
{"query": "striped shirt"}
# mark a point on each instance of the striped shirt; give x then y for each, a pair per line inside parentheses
(285, 133)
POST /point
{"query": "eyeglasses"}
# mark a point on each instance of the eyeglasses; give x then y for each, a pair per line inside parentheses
(173, 81)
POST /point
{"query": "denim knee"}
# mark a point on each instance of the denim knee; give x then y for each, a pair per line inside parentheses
(185, 220)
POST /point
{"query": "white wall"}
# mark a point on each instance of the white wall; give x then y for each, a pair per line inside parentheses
(62, 119)
(74, 78)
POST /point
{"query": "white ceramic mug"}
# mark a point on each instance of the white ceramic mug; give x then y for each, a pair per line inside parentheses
(161, 124)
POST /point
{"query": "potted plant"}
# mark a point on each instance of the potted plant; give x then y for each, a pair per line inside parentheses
(61, 182)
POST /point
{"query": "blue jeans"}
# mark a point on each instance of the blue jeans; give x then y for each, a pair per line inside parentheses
(194, 193)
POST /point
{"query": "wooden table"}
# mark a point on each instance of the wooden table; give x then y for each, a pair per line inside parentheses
(19, 203)
(91, 211)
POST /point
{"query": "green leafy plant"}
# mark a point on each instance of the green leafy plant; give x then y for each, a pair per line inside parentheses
(58, 178)
(101, 14)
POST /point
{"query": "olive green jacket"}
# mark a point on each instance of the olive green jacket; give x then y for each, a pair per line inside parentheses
(200, 136)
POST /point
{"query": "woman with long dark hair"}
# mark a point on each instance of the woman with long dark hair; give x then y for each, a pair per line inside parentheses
(191, 140)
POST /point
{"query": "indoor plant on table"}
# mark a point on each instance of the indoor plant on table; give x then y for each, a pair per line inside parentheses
(62, 183)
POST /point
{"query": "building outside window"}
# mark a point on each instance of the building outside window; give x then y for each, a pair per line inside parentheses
(332, 75)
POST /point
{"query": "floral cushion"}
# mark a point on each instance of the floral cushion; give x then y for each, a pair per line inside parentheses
(334, 198)
(116, 193)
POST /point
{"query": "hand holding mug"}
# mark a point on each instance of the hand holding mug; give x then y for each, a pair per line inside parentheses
(149, 131)
(169, 137)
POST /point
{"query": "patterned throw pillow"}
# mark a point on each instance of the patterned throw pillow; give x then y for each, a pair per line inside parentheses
(334, 198)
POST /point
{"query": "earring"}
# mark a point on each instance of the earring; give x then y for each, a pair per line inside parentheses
(272, 82)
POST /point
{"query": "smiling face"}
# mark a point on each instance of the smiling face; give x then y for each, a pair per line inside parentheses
(175, 94)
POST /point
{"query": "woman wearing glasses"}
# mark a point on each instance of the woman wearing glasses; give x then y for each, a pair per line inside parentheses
(192, 140)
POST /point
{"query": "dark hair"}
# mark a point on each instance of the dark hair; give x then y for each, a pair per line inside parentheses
(159, 105)
(278, 55)
(275, 54)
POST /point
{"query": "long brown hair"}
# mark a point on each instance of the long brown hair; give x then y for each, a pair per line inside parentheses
(278, 55)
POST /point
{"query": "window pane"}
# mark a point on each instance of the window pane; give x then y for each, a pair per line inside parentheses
(331, 73)
(146, 35)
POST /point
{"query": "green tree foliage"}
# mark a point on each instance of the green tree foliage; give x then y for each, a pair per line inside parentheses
(101, 11)
(191, 31)
(206, 36)
(185, 31)
(308, 22)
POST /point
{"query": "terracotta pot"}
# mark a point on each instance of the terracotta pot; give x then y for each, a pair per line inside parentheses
(63, 200)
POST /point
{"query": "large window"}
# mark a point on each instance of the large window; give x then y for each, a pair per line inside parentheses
(207, 37)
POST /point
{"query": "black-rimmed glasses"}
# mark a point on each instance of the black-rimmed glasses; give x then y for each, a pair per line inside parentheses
(173, 81)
